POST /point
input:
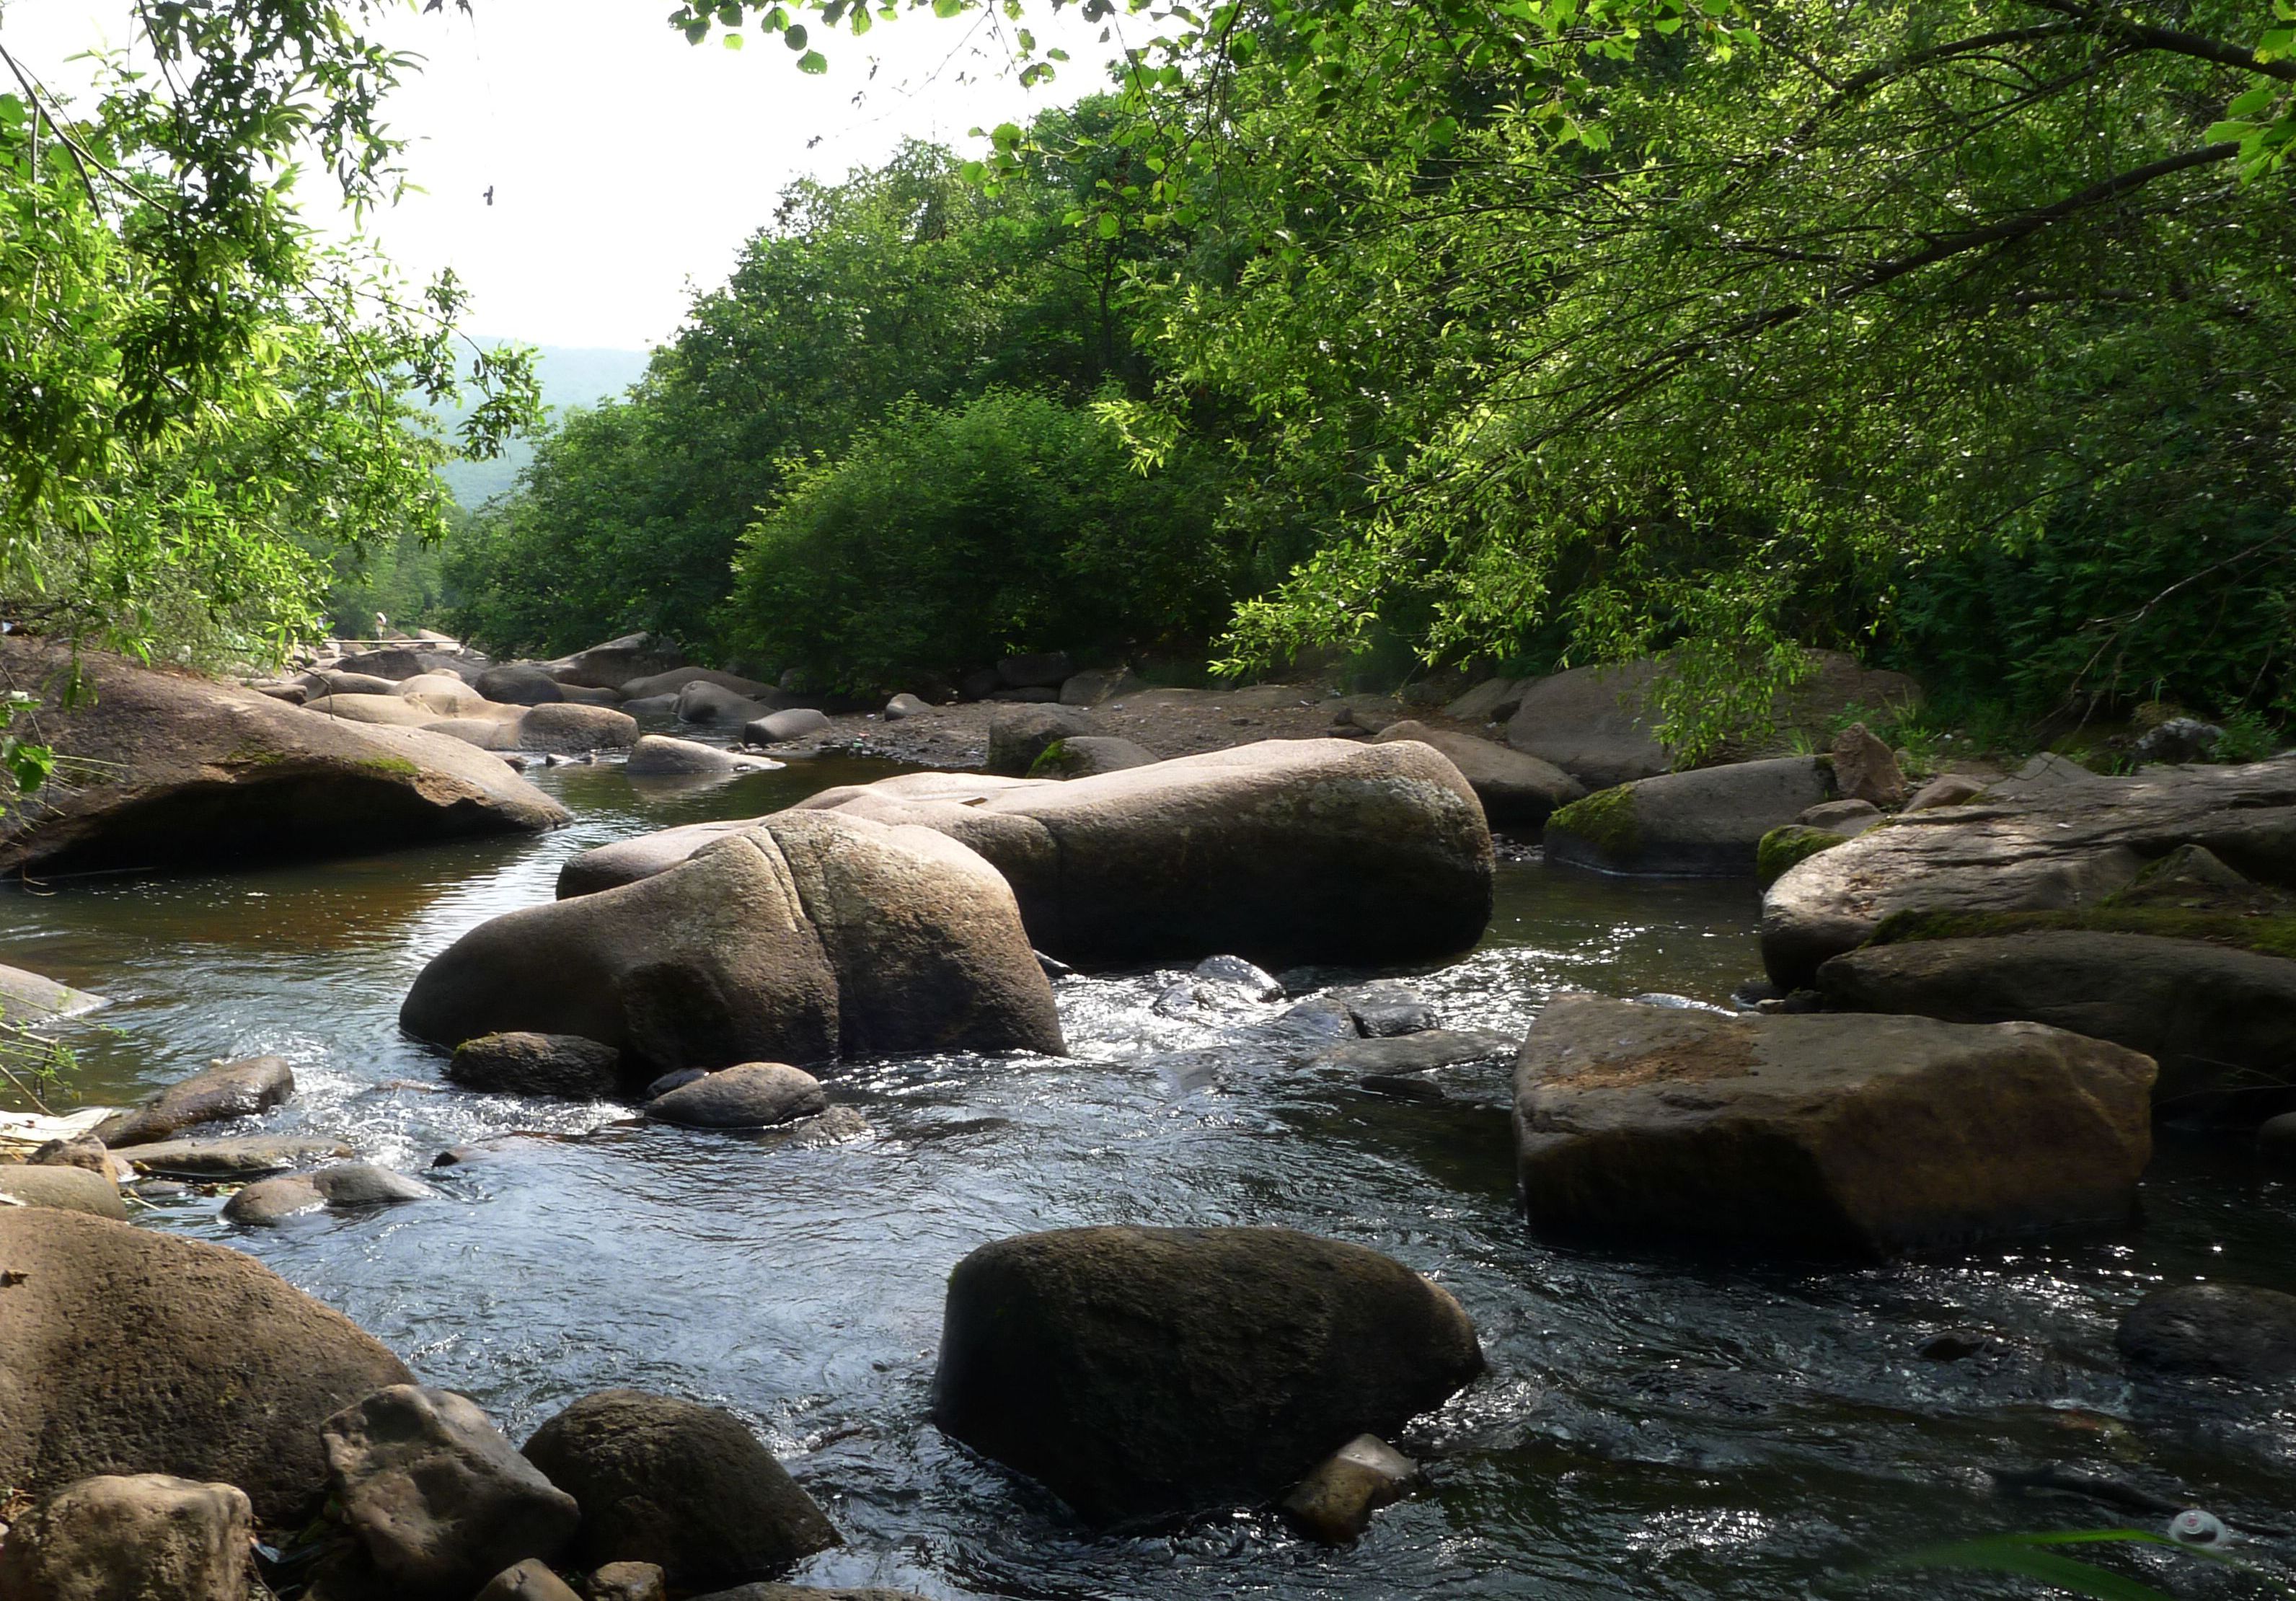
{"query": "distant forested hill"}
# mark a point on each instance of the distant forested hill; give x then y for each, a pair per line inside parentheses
(571, 377)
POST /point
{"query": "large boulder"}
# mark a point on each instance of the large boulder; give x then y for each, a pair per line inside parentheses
(127, 1350)
(568, 729)
(683, 1486)
(702, 701)
(1517, 791)
(1285, 851)
(1863, 1134)
(1596, 723)
(438, 1500)
(616, 662)
(2049, 844)
(65, 1187)
(2220, 1022)
(228, 1089)
(1145, 1374)
(143, 1537)
(171, 770)
(792, 941)
(318, 683)
(780, 727)
(388, 711)
(669, 684)
(443, 694)
(1492, 701)
(1708, 821)
(397, 663)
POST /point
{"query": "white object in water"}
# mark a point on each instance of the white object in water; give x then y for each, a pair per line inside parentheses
(32, 1130)
(2194, 1527)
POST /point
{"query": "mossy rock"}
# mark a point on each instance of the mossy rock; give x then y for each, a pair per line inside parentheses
(1052, 761)
(2271, 935)
(1604, 819)
(1784, 848)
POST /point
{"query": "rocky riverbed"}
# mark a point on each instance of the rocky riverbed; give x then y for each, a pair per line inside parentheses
(1648, 1421)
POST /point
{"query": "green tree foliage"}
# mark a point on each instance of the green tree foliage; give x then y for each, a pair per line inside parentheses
(951, 535)
(903, 281)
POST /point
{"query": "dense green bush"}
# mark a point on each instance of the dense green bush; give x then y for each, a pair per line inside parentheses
(947, 537)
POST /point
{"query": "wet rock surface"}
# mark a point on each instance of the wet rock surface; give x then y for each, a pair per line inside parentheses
(540, 1064)
(228, 1090)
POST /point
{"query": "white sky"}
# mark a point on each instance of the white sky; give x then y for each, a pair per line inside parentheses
(628, 166)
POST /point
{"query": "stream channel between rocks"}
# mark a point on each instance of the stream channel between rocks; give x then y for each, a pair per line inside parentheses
(1650, 1428)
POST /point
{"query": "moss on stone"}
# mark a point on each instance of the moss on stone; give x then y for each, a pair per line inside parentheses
(1605, 819)
(1051, 761)
(1787, 846)
(397, 765)
(2271, 935)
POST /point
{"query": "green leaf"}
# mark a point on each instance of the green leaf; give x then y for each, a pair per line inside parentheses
(2254, 101)
(1111, 224)
(793, 36)
(813, 61)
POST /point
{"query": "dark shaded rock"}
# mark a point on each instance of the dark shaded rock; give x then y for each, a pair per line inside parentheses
(1017, 736)
(780, 727)
(2229, 1331)
(1383, 1010)
(1145, 1373)
(1333, 1504)
(1708, 821)
(319, 684)
(199, 772)
(228, 1090)
(627, 1582)
(123, 1348)
(683, 1486)
(435, 1495)
(1947, 789)
(659, 756)
(702, 701)
(1848, 818)
(755, 1095)
(1425, 1052)
(540, 1064)
(2275, 1139)
(148, 1537)
(1047, 669)
(2054, 839)
(1031, 696)
(2220, 1022)
(1093, 685)
(519, 684)
(678, 1079)
(1082, 755)
(1865, 770)
(1517, 791)
(979, 685)
(1860, 1135)
(1254, 981)
(73, 1189)
(2180, 739)
(1492, 701)
(1320, 1019)
(247, 1157)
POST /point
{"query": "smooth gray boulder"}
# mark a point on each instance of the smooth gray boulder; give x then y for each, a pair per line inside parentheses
(144, 1537)
(1707, 821)
(1864, 1135)
(1517, 791)
(383, 710)
(242, 1156)
(571, 729)
(780, 727)
(702, 701)
(2220, 1022)
(659, 756)
(751, 1094)
(444, 696)
(198, 772)
(905, 706)
(796, 940)
(30, 997)
(1144, 1374)
(346, 1186)
(228, 1089)
(122, 1346)
(682, 1486)
(616, 662)
(438, 1499)
(2055, 838)
(63, 1186)
(669, 682)
(519, 684)
(1492, 701)
(564, 1065)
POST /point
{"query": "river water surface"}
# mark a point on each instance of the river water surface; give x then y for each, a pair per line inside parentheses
(1650, 1428)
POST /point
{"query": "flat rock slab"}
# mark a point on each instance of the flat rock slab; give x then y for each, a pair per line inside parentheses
(228, 1090)
(29, 997)
(244, 1158)
(2220, 1022)
(2049, 839)
(1424, 1052)
(194, 771)
(1815, 1134)
(62, 1188)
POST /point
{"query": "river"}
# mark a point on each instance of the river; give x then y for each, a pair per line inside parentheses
(1650, 1428)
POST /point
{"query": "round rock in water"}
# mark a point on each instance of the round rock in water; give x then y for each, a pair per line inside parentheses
(63, 1189)
(1144, 1374)
(683, 1486)
(756, 1095)
(521, 1062)
(2231, 1330)
(532, 1580)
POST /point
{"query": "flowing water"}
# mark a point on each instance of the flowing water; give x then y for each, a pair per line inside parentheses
(1650, 1426)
